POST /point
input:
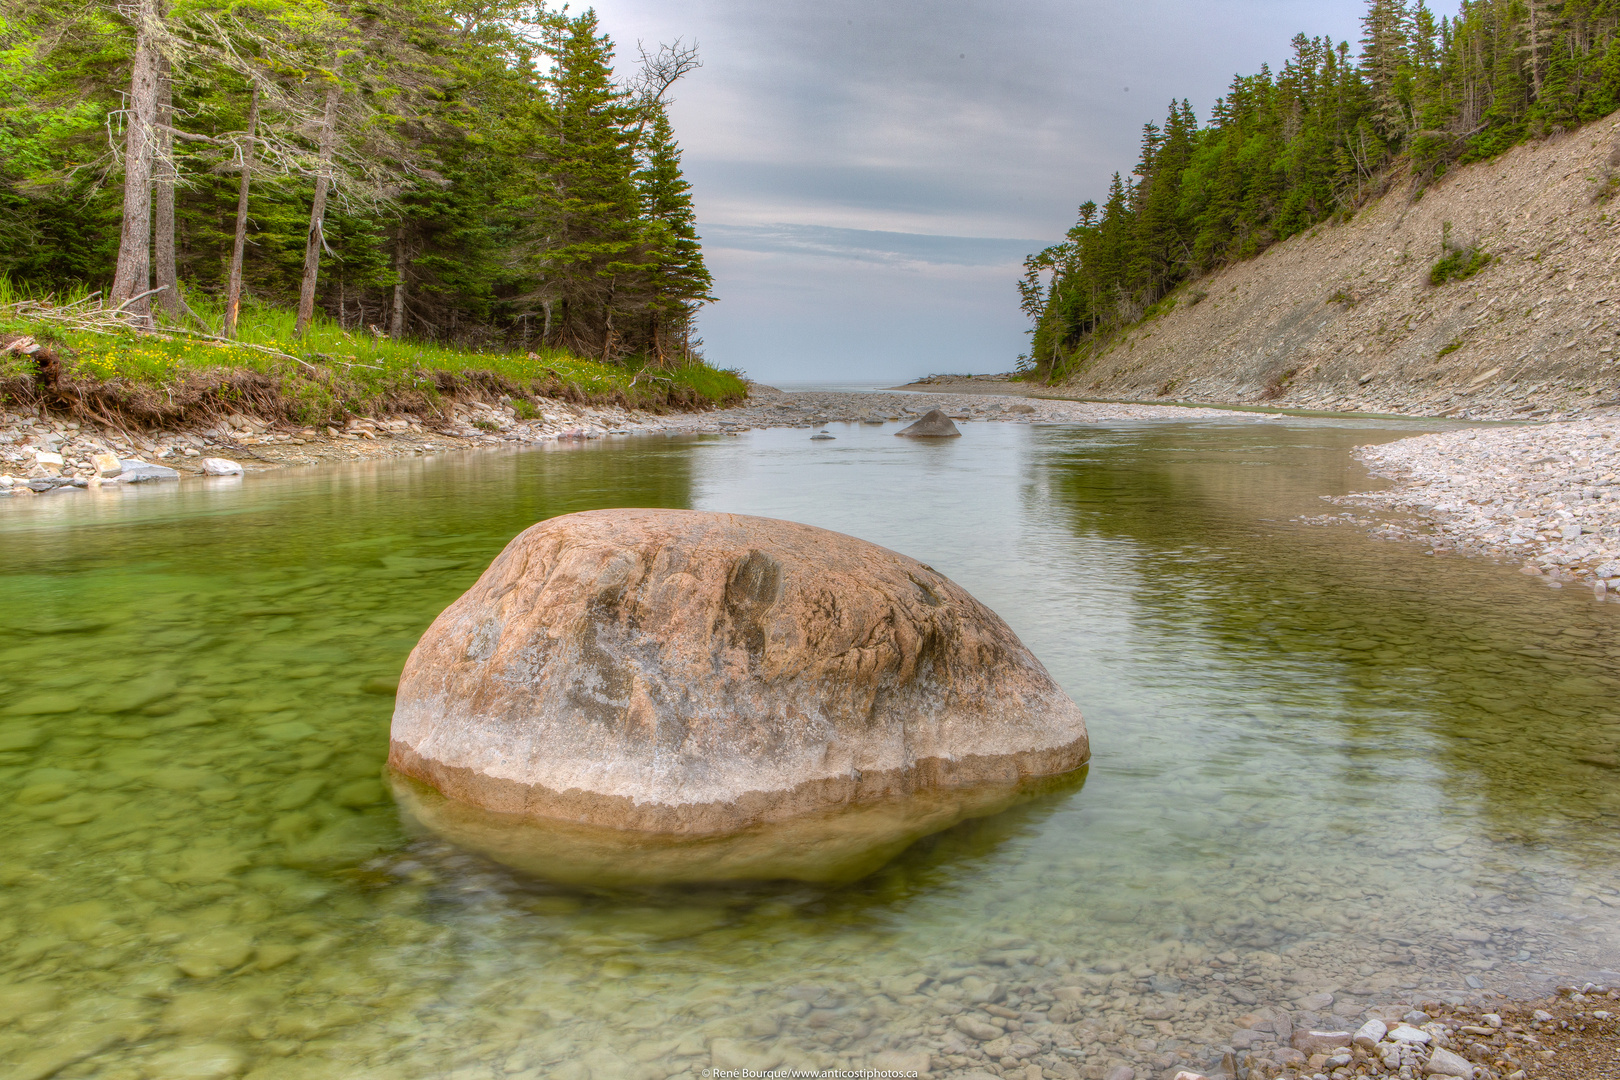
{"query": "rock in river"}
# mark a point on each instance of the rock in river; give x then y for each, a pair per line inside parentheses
(218, 466)
(677, 695)
(135, 471)
(933, 425)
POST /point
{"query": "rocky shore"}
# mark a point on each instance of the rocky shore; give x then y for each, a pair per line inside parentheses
(46, 454)
(1544, 495)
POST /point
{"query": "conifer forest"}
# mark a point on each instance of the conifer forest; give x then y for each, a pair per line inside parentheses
(1331, 129)
(478, 174)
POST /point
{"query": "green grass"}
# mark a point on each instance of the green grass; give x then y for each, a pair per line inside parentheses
(331, 371)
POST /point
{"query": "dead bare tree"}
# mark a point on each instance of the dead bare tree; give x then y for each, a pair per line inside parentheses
(233, 287)
(317, 209)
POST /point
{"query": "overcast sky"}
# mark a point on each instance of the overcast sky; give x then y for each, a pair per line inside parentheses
(869, 176)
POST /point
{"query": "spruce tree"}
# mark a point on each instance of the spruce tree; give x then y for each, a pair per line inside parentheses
(677, 280)
(589, 249)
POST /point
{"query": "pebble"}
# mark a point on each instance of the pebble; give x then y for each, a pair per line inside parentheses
(214, 953)
(1370, 1034)
(201, 1061)
(1320, 1042)
(1443, 1062)
(1546, 494)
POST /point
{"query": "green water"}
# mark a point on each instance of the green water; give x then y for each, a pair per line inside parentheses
(1322, 763)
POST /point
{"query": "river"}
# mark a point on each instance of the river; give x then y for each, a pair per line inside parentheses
(1329, 772)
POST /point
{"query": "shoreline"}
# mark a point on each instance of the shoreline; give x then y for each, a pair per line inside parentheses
(258, 445)
(1546, 494)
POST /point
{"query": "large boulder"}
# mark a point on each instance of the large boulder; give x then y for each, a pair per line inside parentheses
(687, 675)
(933, 425)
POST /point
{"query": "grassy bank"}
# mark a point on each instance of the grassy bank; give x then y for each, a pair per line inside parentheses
(94, 366)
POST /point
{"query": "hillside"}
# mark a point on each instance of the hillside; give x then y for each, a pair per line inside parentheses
(1344, 317)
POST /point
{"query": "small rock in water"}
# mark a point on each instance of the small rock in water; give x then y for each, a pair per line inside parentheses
(823, 435)
(1370, 1034)
(933, 425)
(218, 466)
(1407, 1034)
(1315, 1002)
(204, 1061)
(982, 991)
(135, 471)
(20, 738)
(214, 953)
(1320, 1042)
(732, 1054)
(1122, 1072)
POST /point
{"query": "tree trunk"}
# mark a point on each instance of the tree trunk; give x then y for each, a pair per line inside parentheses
(317, 214)
(132, 277)
(396, 325)
(233, 291)
(1535, 50)
(165, 271)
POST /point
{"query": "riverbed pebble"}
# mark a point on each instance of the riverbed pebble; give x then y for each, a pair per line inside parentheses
(1547, 495)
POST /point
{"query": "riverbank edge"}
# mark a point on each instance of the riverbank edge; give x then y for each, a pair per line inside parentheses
(31, 444)
(1533, 500)
(1009, 383)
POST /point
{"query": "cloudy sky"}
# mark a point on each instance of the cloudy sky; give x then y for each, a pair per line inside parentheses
(869, 175)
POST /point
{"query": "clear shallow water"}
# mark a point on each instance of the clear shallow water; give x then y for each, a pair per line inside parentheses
(1322, 764)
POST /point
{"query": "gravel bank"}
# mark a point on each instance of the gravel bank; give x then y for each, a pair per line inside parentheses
(1546, 495)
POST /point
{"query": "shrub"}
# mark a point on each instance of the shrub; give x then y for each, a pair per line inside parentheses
(1457, 262)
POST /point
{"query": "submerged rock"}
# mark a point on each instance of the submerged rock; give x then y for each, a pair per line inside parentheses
(677, 678)
(933, 425)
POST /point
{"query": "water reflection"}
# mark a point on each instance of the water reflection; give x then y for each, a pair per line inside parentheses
(1496, 679)
(1316, 756)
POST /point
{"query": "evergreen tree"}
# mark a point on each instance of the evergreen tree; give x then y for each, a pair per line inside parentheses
(1284, 152)
(677, 279)
(588, 234)
(482, 167)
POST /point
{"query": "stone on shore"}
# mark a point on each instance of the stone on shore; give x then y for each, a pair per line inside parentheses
(106, 464)
(136, 471)
(1443, 1062)
(933, 425)
(218, 466)
(671, 675)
